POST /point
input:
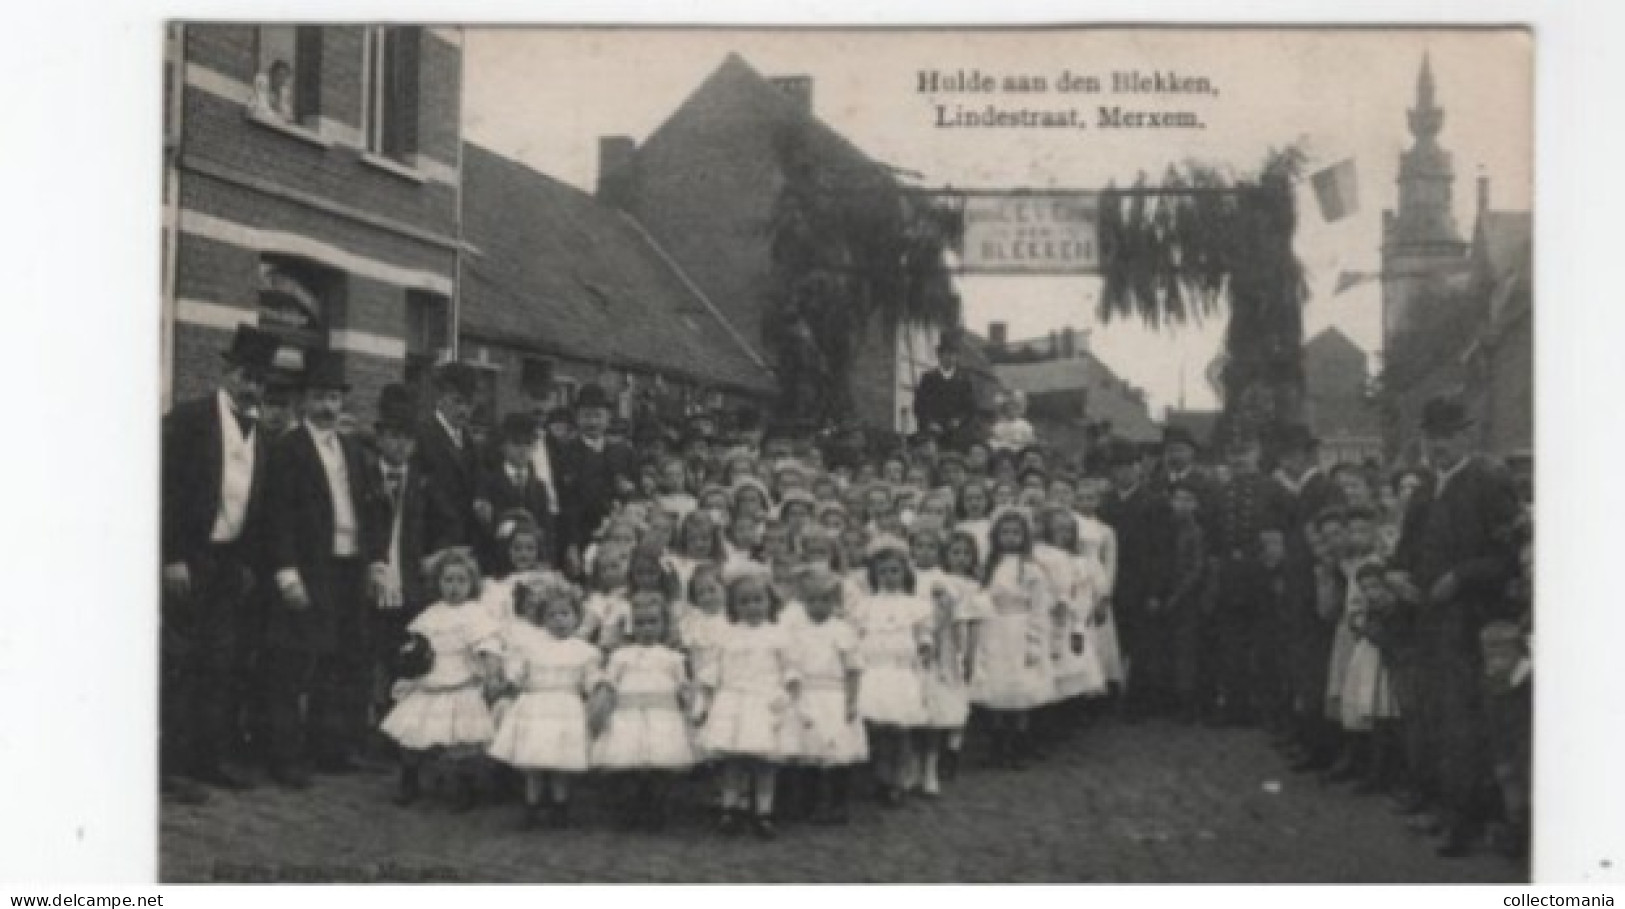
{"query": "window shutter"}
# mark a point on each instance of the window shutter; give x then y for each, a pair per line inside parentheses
(307, 73)
(402, 49)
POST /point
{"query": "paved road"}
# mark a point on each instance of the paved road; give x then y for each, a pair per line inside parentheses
(1153, 802)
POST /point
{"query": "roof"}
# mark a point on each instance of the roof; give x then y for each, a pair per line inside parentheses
(561, 273)
(1199, 423)
(1109, 397)
(1331, 341)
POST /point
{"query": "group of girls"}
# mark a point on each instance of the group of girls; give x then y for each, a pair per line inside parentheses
(772, 635)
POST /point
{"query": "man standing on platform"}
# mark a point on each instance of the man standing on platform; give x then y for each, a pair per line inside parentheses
(213, 482)
(1460, 560)
(945, 400)
(324, 550)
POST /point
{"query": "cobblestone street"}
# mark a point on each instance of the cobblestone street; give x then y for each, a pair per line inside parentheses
(1148, 803)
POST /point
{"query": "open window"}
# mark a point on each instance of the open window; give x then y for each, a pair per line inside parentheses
(390, 71)
(287, 80)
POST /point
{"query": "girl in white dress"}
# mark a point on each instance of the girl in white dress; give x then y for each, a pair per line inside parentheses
(894, 639)
(832, 737)
(1011, 672)
(1097, 541)
(1079, 579)
(963, 563)
(545, 733)
(747, 690)
(699, 540)
(646, 738)
(605, 613)
(975, 508)
(947, 692)
(523, 544)
(444, 712)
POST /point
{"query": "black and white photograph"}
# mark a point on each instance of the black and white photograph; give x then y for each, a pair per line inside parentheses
(1071, 455)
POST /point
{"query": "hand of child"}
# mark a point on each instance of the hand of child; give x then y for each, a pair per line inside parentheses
(177, 580)
(294, 595)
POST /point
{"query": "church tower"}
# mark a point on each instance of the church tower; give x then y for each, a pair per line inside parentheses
(1420, 243)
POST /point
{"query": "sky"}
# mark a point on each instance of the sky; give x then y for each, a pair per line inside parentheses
(545, 96)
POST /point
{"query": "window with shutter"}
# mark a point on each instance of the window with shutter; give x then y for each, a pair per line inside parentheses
(287, 81)
(391, 91)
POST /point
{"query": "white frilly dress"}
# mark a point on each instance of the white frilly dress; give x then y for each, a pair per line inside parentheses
(647, 730)
(446, 708)
(1012, 665)
(1078, 666)
(1098, 541)
(546, 728)
(947, 689)
(825, 652)
(747, 677)
(891, 627)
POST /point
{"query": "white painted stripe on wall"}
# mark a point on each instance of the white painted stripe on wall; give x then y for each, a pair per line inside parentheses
(367, 343)
(226, 318)
(213, 315)
(276, 241)
(238, 92)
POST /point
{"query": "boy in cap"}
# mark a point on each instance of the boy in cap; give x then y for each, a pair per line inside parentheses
(512, 483)
(213, 469)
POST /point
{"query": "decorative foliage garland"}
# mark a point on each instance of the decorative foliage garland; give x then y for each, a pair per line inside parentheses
(850, 246)
(1178, 254)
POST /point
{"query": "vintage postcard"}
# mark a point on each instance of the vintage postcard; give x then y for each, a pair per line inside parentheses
(1061, 454)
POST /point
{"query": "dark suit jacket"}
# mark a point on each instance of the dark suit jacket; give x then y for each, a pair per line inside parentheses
(190, 477)
(1145, 543)
(299, 521)
(587, 490)
(381, 515)
(452, 473)
(496, 487)
(948, 402)
(1465, 529)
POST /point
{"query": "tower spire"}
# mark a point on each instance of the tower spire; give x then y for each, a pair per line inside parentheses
(1426, 118)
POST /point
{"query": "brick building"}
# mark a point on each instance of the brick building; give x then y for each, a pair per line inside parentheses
(704, 184)
(312, 188)
(561, 289)
(1336, 377)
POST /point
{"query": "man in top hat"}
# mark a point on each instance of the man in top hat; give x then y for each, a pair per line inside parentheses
(1140, 517)
(324, 548)
(945, 400)
(512, 483)
(1460, 558)
(447, 455)
(213, 469)
(593, 474)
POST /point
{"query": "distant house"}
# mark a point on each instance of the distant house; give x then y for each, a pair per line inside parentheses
(704, 185)
(1336, 380)
(1199, 423)
(1072, 395)
(560, 289)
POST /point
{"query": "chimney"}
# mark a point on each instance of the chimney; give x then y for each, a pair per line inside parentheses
(798, 88)
(615, 155)
(1483, 194)
(997, 334)
(1069, 343)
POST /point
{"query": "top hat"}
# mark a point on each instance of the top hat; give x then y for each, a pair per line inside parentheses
(458, 377)
(592, 395)
(323, 370)
(1174, 435)
(519, 428)
(1444, 417)
(252, 347)
(395, 410)
(948, 341)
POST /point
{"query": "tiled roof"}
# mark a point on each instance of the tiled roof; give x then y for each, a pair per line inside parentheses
(559, 272)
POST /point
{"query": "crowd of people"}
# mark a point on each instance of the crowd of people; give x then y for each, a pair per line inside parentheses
(776, 610)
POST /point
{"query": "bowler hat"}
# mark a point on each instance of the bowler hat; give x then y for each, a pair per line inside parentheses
(594, 396)
(457, 377)
(395, 410)
(1444, 416)
(324, 370)
(252, 347)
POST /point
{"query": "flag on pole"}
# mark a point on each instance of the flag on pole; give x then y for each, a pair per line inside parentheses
(1337, 190)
